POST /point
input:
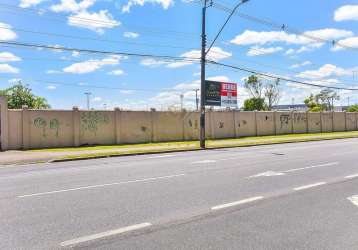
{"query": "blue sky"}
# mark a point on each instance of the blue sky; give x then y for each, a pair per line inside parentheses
(172, 27)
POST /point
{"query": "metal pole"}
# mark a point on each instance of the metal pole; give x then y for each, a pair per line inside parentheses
(202, 92)
(88, 99)
(196, 99)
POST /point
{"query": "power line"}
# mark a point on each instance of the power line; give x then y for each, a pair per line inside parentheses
(92, 38)
(55, 17)
(90, 51)
(283, 27)
(279, 77)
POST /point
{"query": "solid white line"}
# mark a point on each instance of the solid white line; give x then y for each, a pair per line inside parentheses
(104, 234)
(236, 203)
(161, 156)
(317, 166)
(351, 176)
(203, 162)
(354, 199)
(309, 186)
(101, 185)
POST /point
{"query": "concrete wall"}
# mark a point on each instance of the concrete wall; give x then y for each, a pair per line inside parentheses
(265, 123)
(351, 121)
(314, 123)
(243, 122)
(284, 122)
(339, 121)
(25, 129)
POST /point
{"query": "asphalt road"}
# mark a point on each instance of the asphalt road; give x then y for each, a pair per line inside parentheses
(288, 196)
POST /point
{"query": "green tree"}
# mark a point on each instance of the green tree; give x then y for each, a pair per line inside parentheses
(254, 86)
(312, 104)
(353, 108)
(323, 101)
(20, 95)
(327, 97)
(272, 93)
(263, 95)
(253, 104)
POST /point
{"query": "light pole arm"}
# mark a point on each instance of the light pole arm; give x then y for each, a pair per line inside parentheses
(227, 20)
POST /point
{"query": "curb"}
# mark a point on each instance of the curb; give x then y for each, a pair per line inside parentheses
(195, 149)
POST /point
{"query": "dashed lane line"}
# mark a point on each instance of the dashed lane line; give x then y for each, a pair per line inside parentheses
(309, 186)
(105, 234)
(236, 203)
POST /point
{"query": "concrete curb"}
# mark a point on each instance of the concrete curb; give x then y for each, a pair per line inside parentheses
(195, 149)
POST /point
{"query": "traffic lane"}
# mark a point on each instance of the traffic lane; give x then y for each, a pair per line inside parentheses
(58, 217)
(53, 179)
(143, 160)
(321, 218)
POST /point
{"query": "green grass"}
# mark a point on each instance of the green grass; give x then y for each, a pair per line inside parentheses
(193, 145)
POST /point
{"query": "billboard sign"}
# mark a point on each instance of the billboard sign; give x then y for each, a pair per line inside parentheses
(220, 94)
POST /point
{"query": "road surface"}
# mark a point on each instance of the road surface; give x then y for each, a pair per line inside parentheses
(288, 196)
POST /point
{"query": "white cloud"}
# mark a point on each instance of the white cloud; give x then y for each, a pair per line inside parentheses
(6, 68)
(307, 42)
(171, 97)
(126, 92)
(91, 65)
(259, 51)
(75, 54)
(29, 3)
(346, 12)
(6, 34)
(51, 71)
(326, 70)
(130, 34)
(164, 3)
(71, 5)
(51, 87)
(97, 99)
(116, 72)
(150, 62)
(96, 21)
(8, 57)
(298, 65)
(350, 42)
(215, 54)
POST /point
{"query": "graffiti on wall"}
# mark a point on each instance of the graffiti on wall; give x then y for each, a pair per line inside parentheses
(52, 125)
(90, 121)
(284, 120)
(193, 125)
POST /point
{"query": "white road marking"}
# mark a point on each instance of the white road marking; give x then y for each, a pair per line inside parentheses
(101, 185)
(203, 162)
(351, 176)
(161, 156)
(309, 186)
(104, 234)
(236, 203)
(266, 174)
(316, 166)
(273, 173)
(354, 199)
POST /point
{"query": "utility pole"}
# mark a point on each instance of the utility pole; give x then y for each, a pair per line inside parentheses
(202, 84)
(196, 99)
(88, 94)
(204, 53)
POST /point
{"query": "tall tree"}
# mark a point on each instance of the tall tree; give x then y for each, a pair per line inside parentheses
(327, 97)
(263, 95)
(20, 94)
(272, 93)
(254, 86)
(323, 101)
